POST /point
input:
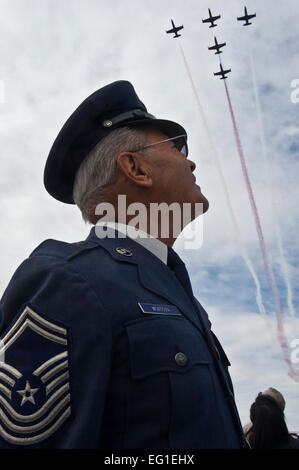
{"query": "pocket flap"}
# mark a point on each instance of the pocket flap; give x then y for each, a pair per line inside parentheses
(155, 344)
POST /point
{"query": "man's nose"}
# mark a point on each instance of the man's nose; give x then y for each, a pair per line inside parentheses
(192, 165)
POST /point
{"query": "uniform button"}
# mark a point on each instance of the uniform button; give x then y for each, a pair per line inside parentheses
(181, 359)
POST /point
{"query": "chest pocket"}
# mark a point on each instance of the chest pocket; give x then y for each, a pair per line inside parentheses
(164, 344)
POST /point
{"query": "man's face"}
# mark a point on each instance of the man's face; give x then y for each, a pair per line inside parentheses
(172, 173)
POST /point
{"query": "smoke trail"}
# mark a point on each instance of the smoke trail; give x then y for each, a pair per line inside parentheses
(238, 234)
(280, 326)
(284, 266)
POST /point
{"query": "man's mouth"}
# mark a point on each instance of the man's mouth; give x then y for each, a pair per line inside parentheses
(195, 182)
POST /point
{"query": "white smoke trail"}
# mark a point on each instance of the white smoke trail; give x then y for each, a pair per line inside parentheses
(238, 234)
(283, 263)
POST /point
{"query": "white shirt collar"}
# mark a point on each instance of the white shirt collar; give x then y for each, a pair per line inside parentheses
(149, 242)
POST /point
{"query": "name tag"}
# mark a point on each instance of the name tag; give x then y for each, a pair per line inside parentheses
(159, 309)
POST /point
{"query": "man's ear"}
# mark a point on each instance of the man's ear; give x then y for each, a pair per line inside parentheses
(134, 168)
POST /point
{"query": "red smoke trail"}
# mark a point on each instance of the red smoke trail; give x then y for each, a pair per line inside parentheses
(281, 335)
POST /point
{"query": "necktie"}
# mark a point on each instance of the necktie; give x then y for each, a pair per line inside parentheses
(178, 267)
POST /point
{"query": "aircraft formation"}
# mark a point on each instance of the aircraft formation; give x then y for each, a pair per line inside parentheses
(217, 46)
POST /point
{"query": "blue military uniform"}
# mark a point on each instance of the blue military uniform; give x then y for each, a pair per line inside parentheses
(116, 352)
(105, 346)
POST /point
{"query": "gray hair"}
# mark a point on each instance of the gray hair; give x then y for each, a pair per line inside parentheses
(98, 170)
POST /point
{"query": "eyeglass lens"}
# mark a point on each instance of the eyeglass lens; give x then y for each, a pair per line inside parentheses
(181, 145)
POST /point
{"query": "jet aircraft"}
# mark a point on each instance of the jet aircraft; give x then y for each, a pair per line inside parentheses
(211, 19)
(217, 47)
(246, 18)
(175, 30)
(222, 73)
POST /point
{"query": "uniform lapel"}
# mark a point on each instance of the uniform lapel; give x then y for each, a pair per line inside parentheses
(154, 275)
(158, 278)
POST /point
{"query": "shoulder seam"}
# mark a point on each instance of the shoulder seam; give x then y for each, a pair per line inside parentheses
(66, 263)
(36, 254)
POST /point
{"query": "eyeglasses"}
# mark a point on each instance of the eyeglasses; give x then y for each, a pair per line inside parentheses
(179, 141)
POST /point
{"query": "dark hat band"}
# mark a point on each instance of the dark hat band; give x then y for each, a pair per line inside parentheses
(125, 117)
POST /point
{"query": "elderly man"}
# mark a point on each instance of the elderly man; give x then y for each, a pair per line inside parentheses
(105, 345)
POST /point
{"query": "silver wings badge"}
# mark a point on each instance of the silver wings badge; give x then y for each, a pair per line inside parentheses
(34, 379)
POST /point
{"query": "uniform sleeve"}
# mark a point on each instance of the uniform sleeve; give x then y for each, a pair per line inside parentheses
(57, 346)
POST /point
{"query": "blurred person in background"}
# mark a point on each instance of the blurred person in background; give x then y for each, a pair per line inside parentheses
(268, 429)
(272, 392)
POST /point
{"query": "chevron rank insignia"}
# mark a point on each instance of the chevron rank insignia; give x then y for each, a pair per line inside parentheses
(34, 379)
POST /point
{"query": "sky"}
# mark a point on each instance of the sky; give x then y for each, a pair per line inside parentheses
(54, 54)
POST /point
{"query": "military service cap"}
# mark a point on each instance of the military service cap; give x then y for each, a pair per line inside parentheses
(113, 106)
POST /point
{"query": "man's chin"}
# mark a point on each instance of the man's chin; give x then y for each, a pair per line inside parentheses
(205, 203)
(199, 207)
(206, 206)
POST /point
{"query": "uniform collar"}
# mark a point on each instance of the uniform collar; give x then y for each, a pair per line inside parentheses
(146, 240)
